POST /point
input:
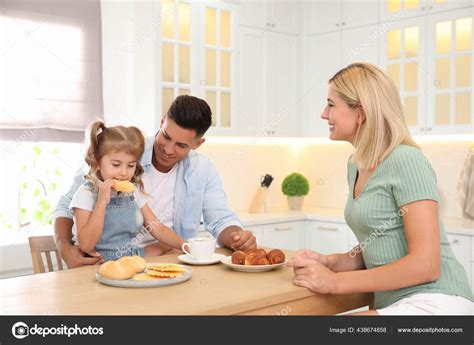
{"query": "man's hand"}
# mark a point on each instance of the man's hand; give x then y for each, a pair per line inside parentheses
(74, 257)
(243, 240)
(236, 238)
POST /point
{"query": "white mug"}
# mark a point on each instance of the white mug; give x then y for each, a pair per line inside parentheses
(200, 248)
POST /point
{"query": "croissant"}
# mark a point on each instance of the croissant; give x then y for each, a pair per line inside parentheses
(256, 258)
(123, 268)
(275, 256)
(124, 186)
(238, 258)
(259, 251)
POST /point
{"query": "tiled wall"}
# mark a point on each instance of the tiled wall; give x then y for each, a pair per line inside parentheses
(324, 165)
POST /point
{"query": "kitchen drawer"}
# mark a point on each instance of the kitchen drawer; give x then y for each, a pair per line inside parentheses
(328, 238)
(283, 235)
(461, 246)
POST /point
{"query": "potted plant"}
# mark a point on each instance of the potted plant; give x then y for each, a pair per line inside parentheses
(295, 186)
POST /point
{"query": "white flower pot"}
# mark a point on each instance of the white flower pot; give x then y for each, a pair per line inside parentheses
(295, 202)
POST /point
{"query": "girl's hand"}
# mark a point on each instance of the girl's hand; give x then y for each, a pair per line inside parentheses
(309, 254)
(104, 191)
(313, 275)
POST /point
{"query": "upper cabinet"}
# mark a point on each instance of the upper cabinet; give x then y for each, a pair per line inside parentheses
(198, 57)
(413, 8)
(325, 15)
(430, 60)
(279, 16)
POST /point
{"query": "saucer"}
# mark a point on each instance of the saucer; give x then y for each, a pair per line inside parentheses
(186, 258)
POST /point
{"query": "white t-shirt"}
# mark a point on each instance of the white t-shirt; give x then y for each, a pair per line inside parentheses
(160, 189)
(85, 199)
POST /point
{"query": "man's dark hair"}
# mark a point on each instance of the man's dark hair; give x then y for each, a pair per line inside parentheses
(191, 113)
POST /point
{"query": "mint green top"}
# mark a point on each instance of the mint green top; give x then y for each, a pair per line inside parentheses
(375, 217)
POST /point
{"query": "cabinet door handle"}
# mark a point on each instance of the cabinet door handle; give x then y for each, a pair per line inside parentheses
(285, 228)
(429, 129)
(343, 23)
(327, 228)
(454, 241)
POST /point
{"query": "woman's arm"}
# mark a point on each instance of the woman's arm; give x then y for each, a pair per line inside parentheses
(351, 261)
(159, 231)
(421, 264)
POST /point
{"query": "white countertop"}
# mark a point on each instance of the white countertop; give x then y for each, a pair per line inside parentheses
(452, 225)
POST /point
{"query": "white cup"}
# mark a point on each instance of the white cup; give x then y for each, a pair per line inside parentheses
(200, 248)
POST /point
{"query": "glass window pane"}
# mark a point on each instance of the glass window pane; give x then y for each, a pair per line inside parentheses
(184, 92)
(411, 4)
(393, 44)
(394, 73)
(411, 41)
(443, 73)
(167, 19)
(410, 109)
(184, 22)
(225, 110)
(463, 34)
(443, 109)
(167, 95)
(211, 100)
(210, 20)
(463, 71)
(393, 5)
(225, 69)
(167, 62)
(226, 21)
(411, 76)
(443, 37)
(210, 67)
(184, 53)
(463, 108)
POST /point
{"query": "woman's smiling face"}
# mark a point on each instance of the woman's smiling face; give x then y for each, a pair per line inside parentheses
(343, 120)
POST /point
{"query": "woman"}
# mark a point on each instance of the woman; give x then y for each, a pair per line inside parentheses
(403, 255)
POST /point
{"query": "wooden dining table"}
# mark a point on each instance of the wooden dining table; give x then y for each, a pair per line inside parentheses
(212, 290)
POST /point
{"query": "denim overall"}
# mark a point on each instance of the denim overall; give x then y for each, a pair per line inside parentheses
(122, 224)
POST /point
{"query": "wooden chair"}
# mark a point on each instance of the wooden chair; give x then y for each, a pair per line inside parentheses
(46, 245)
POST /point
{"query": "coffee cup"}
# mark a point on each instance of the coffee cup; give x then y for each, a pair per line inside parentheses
(200, 248)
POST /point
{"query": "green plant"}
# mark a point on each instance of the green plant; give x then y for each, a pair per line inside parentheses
(295, 185)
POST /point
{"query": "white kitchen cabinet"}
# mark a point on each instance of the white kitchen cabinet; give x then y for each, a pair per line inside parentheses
(278, 16)
(288, 235)
(326, 16)
(461, 246)
(322, 60)
(416, 8)
(327, 238)
(251, 100)
(283, 235)
(267, 85)
(325, 55)
(430, 60)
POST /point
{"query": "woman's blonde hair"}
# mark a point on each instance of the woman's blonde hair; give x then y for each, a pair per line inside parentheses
(384, 128)
(104, 140)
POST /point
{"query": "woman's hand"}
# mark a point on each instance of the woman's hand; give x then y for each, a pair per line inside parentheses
(104, 191)
(309, 254)
(313, 275)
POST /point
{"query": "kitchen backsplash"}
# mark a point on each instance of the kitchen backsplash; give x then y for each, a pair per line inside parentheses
(241, 167)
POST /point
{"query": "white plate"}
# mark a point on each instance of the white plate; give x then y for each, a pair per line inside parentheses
(130, 283)
(250, 268)
(188, 259)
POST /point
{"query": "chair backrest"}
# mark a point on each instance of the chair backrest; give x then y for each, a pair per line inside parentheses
(46, 245)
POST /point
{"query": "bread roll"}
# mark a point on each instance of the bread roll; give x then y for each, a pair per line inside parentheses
(124, 268)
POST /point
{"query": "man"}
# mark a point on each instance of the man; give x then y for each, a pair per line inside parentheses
(184, 186)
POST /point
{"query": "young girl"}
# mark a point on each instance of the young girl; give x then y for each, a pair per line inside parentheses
(403, 254)
(108, 221)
